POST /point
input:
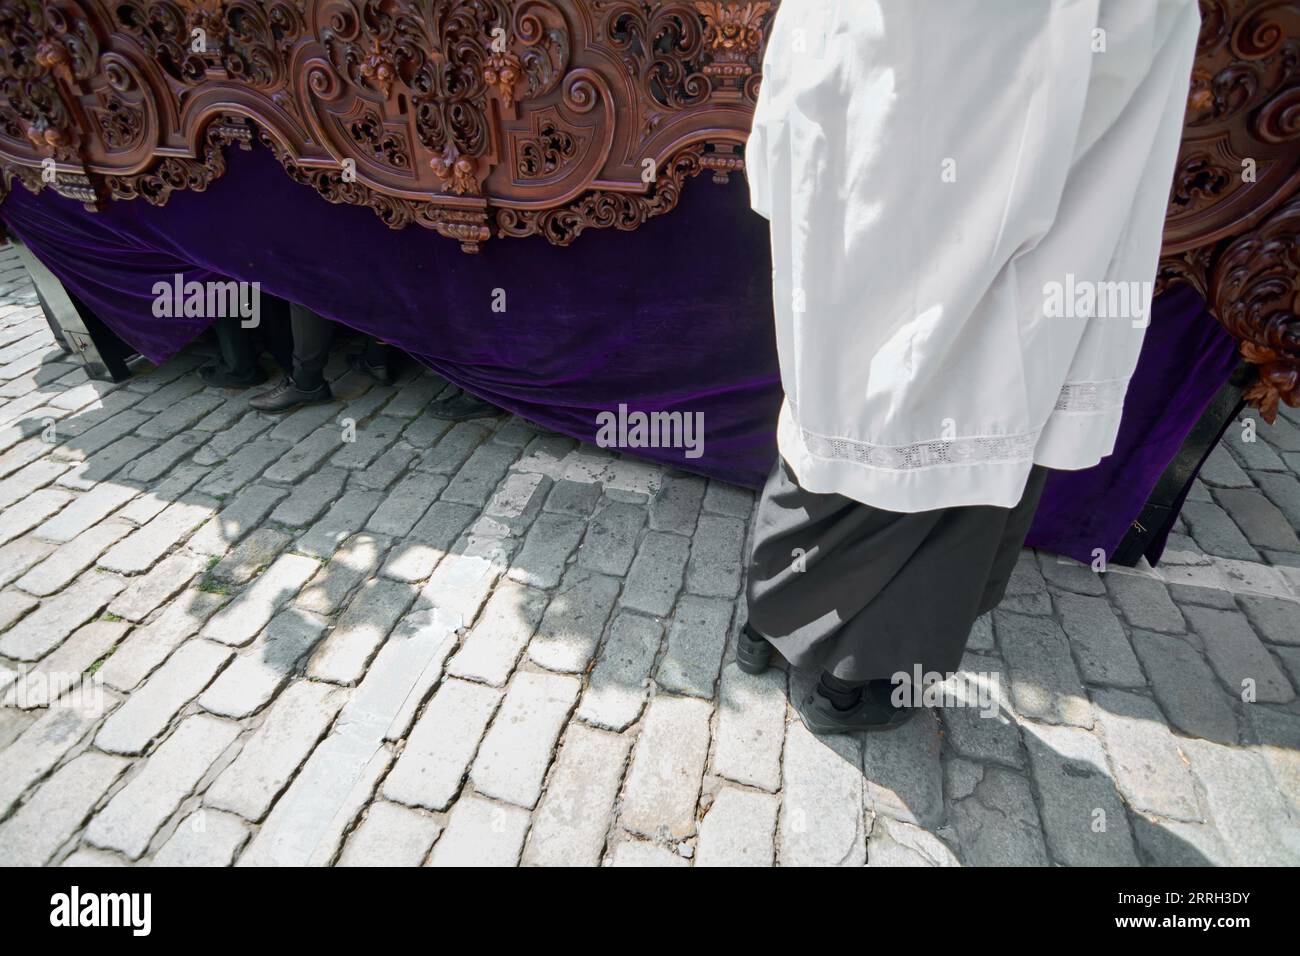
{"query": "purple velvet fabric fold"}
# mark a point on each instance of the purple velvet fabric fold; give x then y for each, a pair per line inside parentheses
(673, 316)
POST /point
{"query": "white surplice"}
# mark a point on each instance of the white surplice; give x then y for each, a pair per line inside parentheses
(946, 180)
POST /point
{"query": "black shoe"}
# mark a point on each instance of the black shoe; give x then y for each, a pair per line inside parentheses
(382, 374)
(753, 652)
(216, 375)
(463, 407)
(287, 396)
(874, 711)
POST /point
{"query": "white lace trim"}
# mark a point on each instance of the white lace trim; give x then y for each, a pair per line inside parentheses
(1078, 397)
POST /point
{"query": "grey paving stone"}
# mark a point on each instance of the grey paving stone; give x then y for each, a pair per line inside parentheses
(389, 466)
(242, 514)
(821, 822)
(149, 710)
(139, 551)
(158, 495)
(296, 426)
(1185, 687)
(356, 561)
(638, 854)
(978, 715)
(481, 833)
(663, 784)
(347, 516)
(98, 434)
(474, 483)
(1238, 657)
(415, 556)
(27, 480)
(1174, 843)
(309, 498)
(714, 568)
(241, 620)
(1276, 620)
(618, 685)
(64, 669)
(676, 507)
(204, 838)
(390, 835)
(544, 455)
(571, 822)
(64, 566)
(1263, 523)
(1244, 804)
(1216, 532)
(1150, 770)
(574, 620)
(610, 543)
(727, 499)
(438, 753)
(1026, 588)
(344, 654)
(234, 425)
(493, 646)
(542, 559)
(453, 448)
(993, 813)
(413, 396)
(895, 844)
(1253, 455)
(1084, 821)
(903, 774)
(573, 498)
(129, 821)
(1044, 683)
(40, 747)
(296, 722)
(168, 577)
(512, 760)
(122, 458)
(57, 810)
(515, 503)
(1099, 642)
(35, 508)
(249, 558)
(696, 641)
(1070, 575)
(655, 577)
(1284, 491)
(178, 417)
(1275, 736)
(84, 512)
(1145, 603)
(17, 556)
(751, 727)
(369, 441)
(738, 830)
(148, 645)
(409, 666)
(462, 581)
(406, 503)
(255, 676)
(1222, 471)
(46, 627)
(306, 456)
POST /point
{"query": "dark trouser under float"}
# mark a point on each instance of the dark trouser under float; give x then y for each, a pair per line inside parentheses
(860, 593)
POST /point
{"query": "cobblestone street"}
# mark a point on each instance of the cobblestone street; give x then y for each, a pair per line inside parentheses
(361, 635)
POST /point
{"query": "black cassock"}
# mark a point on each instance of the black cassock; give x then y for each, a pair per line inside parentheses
(863, 593)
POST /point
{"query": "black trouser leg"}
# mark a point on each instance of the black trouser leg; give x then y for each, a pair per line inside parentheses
(312, 334)
(238, 349)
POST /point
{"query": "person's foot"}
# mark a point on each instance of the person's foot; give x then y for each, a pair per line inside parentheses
(218, 376)
(874, 710)
(753, 652)
(379, 373)
(463, 406)
(287, 396)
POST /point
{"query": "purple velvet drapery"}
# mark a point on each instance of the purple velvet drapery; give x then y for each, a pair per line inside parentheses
(674, 316)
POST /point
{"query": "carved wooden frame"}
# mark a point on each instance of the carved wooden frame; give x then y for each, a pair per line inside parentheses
(478, 118)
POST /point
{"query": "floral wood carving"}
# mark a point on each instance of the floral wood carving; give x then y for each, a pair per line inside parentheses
(1231, 229)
